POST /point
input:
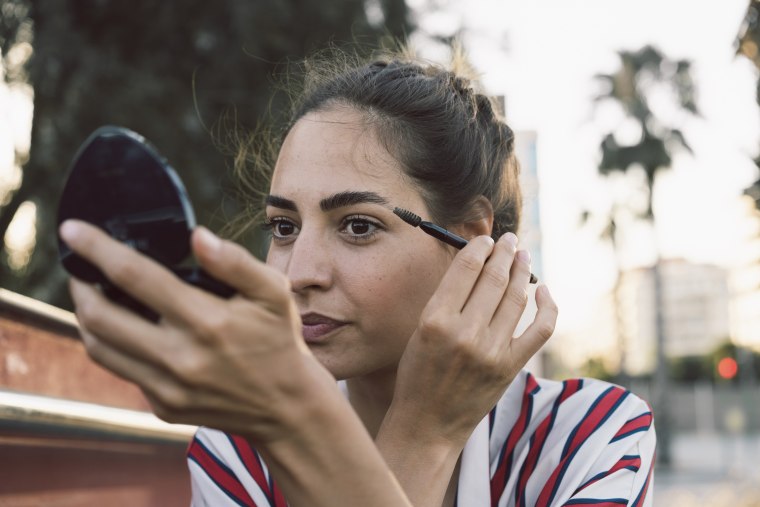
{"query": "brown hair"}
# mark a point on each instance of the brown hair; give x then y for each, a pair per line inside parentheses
(447, 136)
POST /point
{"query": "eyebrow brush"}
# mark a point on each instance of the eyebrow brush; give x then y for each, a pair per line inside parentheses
(437, 231)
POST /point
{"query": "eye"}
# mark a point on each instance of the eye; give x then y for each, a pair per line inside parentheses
(359, 228)
(282, 228)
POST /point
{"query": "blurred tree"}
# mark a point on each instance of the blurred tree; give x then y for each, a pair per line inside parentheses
(691, 369)
(609, 234)
(168, 70)
(595, 367)
(748, 44)
(641, 74)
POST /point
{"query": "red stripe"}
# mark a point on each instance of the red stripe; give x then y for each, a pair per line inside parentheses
(624, 463)
(637, 423)
(645, 489)
(621, 464)
(569, 388)
(251, 462)
(573, 386)
(219, 475)
(587, 426)
(499, 479)
(279, 499)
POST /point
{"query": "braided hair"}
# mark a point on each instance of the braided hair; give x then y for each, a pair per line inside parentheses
(446, 135)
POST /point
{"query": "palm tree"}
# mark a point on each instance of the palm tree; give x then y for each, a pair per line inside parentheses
(630, 86)
(748, 45)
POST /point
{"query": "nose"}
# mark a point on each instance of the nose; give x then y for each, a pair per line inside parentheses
(309, 266)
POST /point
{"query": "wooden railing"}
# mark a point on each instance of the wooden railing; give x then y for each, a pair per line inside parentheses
(72, 433)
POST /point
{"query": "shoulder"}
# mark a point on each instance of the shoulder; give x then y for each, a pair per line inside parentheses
(549, 438)
(595, 406)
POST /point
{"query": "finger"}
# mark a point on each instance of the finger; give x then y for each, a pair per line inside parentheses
(539, 331)
(165, 394)
(140, 276)
(234, 265)
(120, 328)
(493, 281)
(142, 373)
(515, 298)
(458, 281)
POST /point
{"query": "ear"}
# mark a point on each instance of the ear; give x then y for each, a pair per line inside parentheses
(479, 221)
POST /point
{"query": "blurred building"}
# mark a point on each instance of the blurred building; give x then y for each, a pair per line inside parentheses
(530, 226)
(745, 283)
(696, 302)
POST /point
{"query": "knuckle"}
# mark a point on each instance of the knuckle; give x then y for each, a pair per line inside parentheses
(172, 401)
(434, 325)
(470, 261)
(88, 313)
(497, 276)
(518, 296)
(122, 271)
(213, 325)
(545, 329)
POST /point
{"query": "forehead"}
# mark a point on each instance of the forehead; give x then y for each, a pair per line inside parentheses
(337, 150)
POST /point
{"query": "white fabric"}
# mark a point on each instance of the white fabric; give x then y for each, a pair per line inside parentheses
(585, 429)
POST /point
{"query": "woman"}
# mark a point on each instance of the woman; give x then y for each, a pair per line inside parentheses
(435, 408)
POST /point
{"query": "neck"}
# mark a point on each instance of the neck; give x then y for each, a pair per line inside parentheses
(370, 396)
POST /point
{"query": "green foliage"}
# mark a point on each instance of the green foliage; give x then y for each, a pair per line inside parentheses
(169, 70)
(704, 367)
(594, 367)
(748, 45)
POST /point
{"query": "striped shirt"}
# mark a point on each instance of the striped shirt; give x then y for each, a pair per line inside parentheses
(580, 442)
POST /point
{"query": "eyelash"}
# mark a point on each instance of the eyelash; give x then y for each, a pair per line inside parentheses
(270, 225)
(359, 238)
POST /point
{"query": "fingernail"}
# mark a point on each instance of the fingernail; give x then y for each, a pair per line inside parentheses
(210, 241)
(546, 291)
(524, 256)
(510, 236)
(68, 230)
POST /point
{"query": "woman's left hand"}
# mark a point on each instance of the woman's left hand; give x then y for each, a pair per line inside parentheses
(464, 354)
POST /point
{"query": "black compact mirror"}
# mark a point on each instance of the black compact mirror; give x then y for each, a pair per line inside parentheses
(119, 182)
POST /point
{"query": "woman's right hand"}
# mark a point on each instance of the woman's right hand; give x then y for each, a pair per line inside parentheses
(458, 363)
(235, 364)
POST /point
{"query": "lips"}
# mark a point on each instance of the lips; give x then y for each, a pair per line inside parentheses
(317, 326)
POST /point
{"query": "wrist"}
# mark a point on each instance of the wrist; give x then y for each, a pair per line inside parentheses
(405, 424)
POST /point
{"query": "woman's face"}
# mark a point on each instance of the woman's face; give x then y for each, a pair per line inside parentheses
(360, 275)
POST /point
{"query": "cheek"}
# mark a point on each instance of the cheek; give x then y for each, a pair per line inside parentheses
(395, 293)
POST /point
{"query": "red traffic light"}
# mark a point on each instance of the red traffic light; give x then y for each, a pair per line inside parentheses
(728, 368)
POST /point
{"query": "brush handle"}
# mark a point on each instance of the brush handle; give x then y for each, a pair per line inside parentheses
(452, 239)
(440, 233)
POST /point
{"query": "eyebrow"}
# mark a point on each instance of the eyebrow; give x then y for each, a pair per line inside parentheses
(339, 200)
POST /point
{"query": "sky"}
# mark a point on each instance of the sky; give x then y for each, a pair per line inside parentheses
(543, 55)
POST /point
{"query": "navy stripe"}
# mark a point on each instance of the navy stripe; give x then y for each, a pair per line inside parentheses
(645, 487)
(593, 479)
(270, 498)
(223, 467)
(576, 429)
(629, 433)
(577, 501)
(519, 497)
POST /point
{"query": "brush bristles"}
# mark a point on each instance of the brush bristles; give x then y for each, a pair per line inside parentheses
(408, 217)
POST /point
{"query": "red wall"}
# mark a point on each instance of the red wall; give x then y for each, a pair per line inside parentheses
(44, 462)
